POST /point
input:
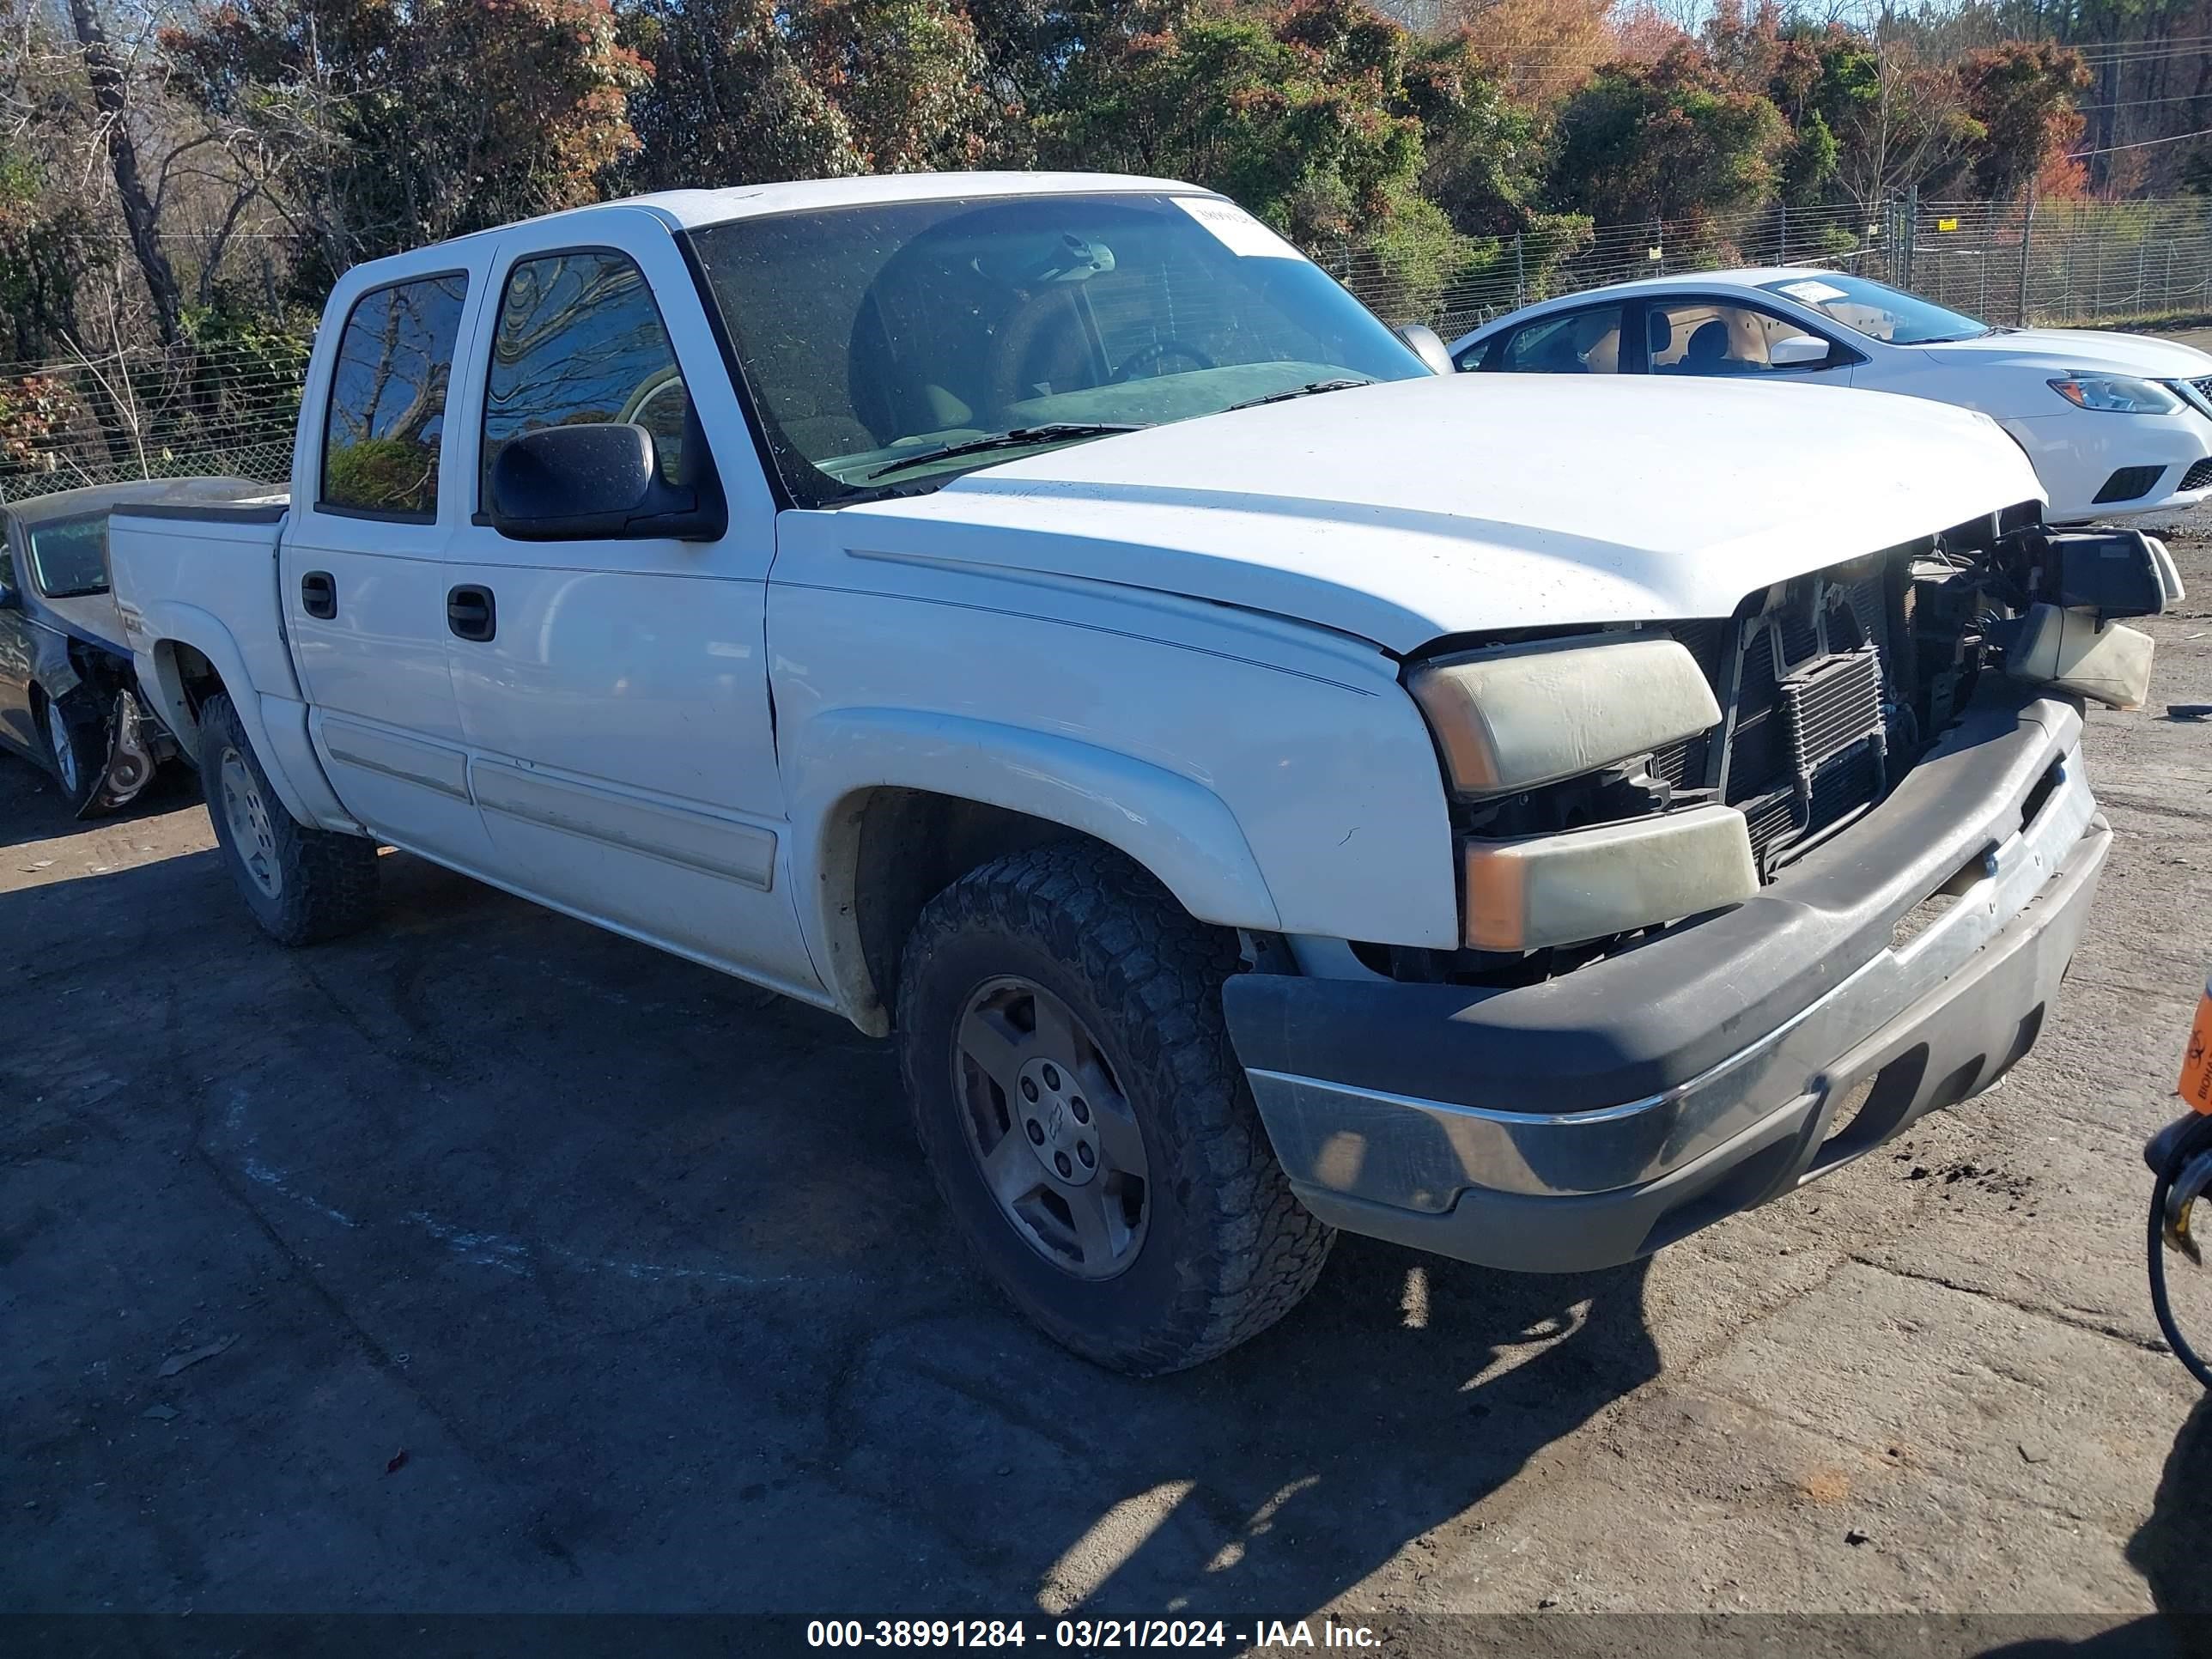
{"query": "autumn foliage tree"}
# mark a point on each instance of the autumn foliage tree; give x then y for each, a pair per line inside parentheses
(1672, 140)
(199, 187)
(753, 91)
(2021, 96)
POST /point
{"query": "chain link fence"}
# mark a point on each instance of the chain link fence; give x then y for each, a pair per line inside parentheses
(150, 413)
(2006, 261)
(230, 407)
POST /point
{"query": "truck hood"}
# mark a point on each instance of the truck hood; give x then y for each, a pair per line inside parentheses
(1472, 503)
(2076, 349)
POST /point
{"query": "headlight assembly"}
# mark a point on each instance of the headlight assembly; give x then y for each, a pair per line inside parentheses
(1515, 716)
(2115, 394)
(1580, 884)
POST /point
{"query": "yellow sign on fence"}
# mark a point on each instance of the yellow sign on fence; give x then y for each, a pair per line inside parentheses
(1946, 224)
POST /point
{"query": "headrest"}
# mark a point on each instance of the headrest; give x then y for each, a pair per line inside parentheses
(1709, 344)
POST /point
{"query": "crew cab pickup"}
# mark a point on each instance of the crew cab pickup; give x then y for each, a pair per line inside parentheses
(1263, 786)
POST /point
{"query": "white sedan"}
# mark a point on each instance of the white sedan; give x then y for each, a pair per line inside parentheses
(2115, 425)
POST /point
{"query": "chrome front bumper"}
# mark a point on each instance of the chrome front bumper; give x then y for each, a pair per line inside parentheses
(1930, 964)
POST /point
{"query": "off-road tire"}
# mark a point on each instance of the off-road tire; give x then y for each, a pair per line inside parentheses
(326, 882)
(1229, 1249)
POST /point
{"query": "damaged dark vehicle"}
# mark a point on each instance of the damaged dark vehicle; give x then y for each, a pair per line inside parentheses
(68, 697)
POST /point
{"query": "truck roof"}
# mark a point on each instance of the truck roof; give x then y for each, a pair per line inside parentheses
(681, 209)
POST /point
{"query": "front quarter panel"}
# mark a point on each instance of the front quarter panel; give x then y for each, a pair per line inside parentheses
(1273, 776)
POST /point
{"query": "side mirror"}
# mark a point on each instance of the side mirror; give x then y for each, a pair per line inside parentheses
(1428, 345)
(9, 598)
(1799, 351)
(602, 482)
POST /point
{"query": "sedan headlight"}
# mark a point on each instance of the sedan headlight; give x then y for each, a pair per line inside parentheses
(2115, 394)
(1515, 716)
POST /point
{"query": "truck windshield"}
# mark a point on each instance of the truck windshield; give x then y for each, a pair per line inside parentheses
(882, 344)
(1877, 310)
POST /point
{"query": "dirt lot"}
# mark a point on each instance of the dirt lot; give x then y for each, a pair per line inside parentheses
(487, 1261)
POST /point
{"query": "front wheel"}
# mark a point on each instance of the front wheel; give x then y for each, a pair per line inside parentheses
(302, 885)
(1073, 1086)
(77, 750)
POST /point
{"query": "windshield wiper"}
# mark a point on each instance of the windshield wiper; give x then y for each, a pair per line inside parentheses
(1305, 391)
(1054, 432)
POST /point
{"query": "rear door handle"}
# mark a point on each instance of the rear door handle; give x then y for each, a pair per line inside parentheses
(470, 613)
(318, 595)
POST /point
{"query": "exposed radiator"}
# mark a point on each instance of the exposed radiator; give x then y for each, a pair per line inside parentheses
(1808, 739)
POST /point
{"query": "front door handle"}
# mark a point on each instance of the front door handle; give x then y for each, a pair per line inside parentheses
(318, 595)
(470, 613)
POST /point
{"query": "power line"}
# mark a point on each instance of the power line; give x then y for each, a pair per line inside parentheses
(2109, 150)
(2143, 103)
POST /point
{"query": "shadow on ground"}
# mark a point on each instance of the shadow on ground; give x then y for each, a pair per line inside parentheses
(31, 808)
(2172, 1550)
(639, 1269)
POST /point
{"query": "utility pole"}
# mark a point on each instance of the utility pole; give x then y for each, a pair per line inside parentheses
(1912, 229)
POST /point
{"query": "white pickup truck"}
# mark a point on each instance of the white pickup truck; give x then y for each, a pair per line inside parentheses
(1263, 786)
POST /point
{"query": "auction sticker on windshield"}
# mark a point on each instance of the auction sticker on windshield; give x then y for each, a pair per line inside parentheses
(1812, 294)
(1236, 229)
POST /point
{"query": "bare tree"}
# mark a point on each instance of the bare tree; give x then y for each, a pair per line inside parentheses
(1908, 132)
(110, 80)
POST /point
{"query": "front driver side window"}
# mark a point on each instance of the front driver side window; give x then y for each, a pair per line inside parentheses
(579, 340)
(1580, 342)
(1705, 338)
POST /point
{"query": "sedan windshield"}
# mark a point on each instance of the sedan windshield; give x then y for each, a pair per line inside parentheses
(894, 347)
(1877, 310)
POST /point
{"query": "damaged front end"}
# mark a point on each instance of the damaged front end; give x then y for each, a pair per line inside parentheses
(93, 694)
(136, 741)
(1608, 785)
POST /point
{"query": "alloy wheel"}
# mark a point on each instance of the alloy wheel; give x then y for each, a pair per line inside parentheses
(247, 816)
(1050, 1129)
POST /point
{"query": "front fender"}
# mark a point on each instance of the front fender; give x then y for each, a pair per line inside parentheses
(1179, 830)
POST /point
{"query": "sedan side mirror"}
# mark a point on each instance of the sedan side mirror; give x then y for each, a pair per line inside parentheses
(601, 482)
(1799, 351)
(9, 598)
(1428, 345)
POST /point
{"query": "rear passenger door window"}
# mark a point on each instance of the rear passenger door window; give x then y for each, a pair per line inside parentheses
(580, 340)
(1580, 342)
(385, 422)
(1713, 338)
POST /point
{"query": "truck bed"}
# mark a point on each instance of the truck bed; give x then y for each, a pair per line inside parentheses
(218, 560)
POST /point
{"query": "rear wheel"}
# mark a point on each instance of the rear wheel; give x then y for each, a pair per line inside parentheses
(302, 885)
(1073, 1083)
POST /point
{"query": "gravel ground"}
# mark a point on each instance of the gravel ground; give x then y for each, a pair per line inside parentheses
(487, 1261)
